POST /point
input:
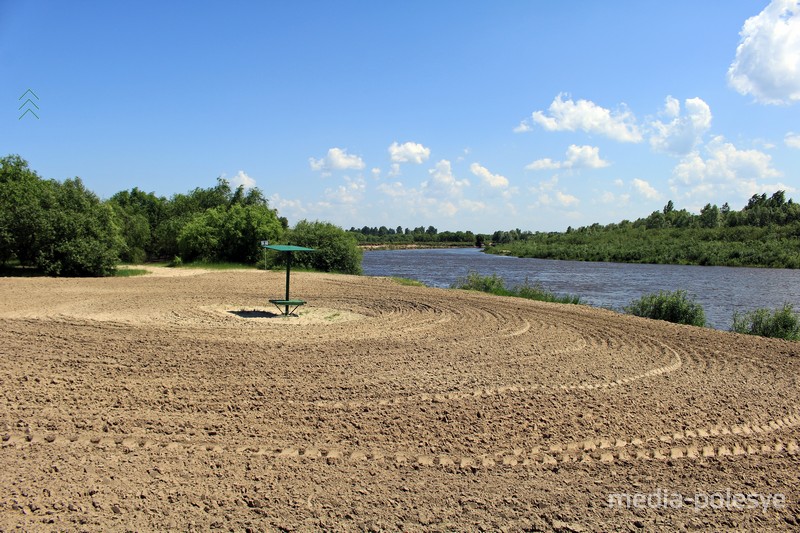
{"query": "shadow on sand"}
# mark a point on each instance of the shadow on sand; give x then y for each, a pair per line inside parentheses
(255, 313)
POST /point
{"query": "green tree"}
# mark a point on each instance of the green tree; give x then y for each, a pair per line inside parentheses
(710, 216)
(22, 204)
(228, 233)
(336, 249)
(81, 234)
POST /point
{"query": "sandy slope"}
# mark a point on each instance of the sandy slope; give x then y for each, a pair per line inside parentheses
(179, 401)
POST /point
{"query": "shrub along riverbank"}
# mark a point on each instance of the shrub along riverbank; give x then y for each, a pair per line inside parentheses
(765, 233)
(677, 307)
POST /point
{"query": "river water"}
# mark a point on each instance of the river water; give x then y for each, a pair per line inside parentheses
(720, 290)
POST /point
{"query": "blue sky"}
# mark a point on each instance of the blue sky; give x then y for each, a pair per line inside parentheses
(463, 115)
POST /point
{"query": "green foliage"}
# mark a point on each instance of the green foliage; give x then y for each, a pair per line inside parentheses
(336, 249)
(24, 196)
(783, 323)
(175, 262)
(221, 220)
(84, 239)
(674, 307)
(494, 284)
(61, 228)
(407, 282)
(228, 233)
(139, 215)
(129, 272)
(764, 233)
(420, 234)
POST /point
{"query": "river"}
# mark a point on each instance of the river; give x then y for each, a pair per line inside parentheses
(720, 290)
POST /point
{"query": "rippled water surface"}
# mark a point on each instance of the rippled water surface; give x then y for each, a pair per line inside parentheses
(720, 290)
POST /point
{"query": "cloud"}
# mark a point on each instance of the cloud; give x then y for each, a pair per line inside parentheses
(792, 140)
(725, 169)
(394, 189)
(645, 189)
(767, 62)
(376, 173)
(577, 157)
(566, 199)
(409, 152)
(418, 201)
(609, 198)
(336, 159)
(543, 164)
(523, 127)
(495, 181)
(350, 192)
(681, 134)
(475, 206)
(443, 181)
(242, 179)
(584, 115)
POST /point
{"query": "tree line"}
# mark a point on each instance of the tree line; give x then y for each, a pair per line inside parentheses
(64, 229)
(421, 234)
(764, 233)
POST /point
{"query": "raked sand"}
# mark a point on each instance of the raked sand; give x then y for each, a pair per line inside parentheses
(182, 401)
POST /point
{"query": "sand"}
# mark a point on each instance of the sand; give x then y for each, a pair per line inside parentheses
(180, 400)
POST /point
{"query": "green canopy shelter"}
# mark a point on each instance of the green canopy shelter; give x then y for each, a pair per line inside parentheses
(288, 250)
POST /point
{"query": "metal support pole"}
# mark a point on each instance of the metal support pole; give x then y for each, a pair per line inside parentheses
(288, 269)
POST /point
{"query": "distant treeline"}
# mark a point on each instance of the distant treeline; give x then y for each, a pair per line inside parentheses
(421, 234)
(765, 233)
(61, 228)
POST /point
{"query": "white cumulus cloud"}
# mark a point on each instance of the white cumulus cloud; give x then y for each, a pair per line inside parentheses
(492, 180)
(585, 115)
(523, 127)
(684, 132)
(767, 62)
(242, 179)
(336, 159)
(350, 192)
(645, 189)
(577, 157)
(442, 180)
(566, 199)
(725, 168)
(792, 140)
(409, 152)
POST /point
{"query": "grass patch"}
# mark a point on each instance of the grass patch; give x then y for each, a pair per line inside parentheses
(494, 284)
(407, 281)
(129, 272)
(783, 323)
(674, 307)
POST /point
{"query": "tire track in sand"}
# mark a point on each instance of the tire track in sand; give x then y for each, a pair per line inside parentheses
(762, 438)
(499, 390)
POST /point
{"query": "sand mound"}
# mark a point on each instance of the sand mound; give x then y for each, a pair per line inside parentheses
(185, 401)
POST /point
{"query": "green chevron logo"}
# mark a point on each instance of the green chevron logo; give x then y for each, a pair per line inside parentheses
(27, 104)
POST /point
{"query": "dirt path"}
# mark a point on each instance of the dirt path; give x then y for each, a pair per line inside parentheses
(183, 402)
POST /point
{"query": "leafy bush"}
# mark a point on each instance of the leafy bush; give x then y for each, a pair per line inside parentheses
(473, 281)
(494, 284)
(176, 262)
(336, 249)
(229, 233)
(674, 307)
(783, 323)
